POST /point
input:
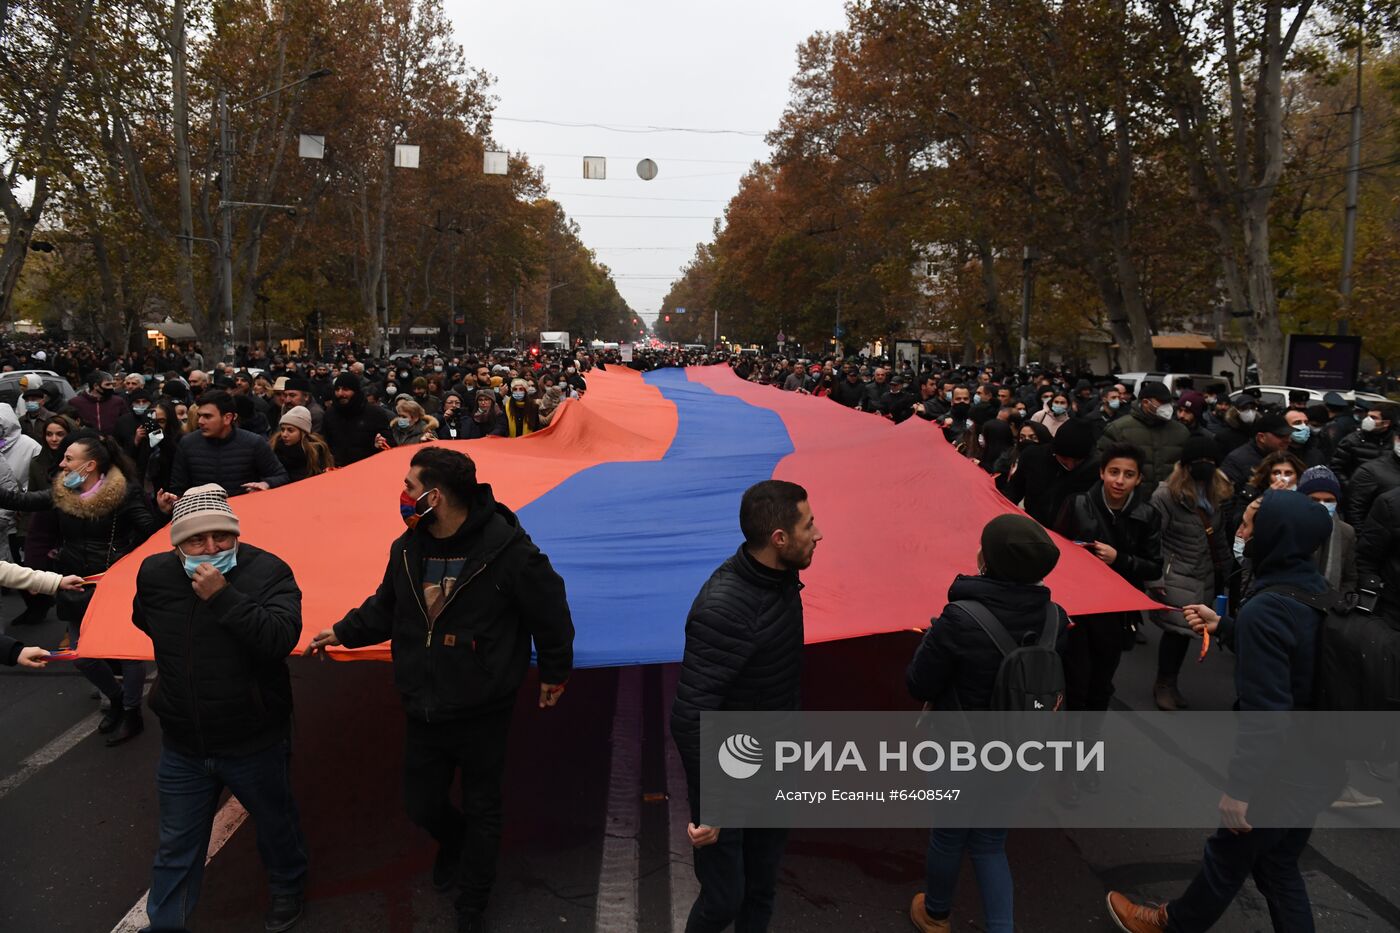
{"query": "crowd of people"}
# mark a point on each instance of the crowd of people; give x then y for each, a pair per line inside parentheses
(1201, 499)
(1240, 520)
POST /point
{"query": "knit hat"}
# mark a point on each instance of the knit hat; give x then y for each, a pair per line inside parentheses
(201, 510)
(1199, 447)
(298, 384)
(1319, 479)
(1016, 549)
(298, 417)
(1192, 401)
(348, 381)
(1074, 439)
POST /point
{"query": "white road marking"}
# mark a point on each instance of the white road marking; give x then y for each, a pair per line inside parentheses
(684, 888)
(617, 910)
(50, 753)
(226, 822)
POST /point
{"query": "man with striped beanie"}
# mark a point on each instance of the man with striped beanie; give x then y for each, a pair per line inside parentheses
(222, 616)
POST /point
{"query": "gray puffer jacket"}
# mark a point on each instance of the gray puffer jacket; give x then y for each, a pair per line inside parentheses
(1193, 546)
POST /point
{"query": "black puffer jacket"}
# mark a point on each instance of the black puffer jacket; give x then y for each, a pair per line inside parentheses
(956, 664)
(223, 688)
(1135, 532)
(743, 651)
(242, 457)
(476, 653)
(1378, 552)
(1370, 482)
(1357, 448)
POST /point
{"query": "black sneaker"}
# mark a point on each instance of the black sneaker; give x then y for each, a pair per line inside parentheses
(471, 921)
(446, 867)
(284, 913)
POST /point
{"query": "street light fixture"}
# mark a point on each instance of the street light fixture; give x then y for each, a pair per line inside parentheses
(225, 204)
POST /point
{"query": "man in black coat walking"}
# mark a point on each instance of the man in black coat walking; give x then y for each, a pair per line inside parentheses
(352, 424)
(1048, 475)
(464, 595)
(222, 616)
(743, 651)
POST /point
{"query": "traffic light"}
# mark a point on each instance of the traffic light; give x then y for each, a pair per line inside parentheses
(668, 319)
(534, 351)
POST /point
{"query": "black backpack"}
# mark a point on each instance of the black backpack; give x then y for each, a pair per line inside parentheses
(1031, 677)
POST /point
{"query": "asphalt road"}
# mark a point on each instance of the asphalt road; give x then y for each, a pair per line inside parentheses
(78, 832)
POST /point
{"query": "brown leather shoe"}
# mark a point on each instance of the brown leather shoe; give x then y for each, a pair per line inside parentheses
(1164, 693)
(1136, 918)
(922, 921)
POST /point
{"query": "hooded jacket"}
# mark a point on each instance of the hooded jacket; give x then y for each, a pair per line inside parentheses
(350, 428)
(96, 531)
(19, 451)
(1275, 636)
(474, 655)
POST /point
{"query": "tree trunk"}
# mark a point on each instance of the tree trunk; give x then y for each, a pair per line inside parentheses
(991, 304)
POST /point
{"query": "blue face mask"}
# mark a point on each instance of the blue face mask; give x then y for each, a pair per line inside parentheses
(1239, 548)
(403, 423)
(1057, 409)
(73, 480)
(1301, 434)
(140, 409)
(518, 396)
(1114, 404)
(31, 406)
(223, 561)
(948, 396)
(1331, 508)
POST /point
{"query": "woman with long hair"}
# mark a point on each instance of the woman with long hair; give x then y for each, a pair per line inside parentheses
(42, 537)
(1195, 555)
(302, 452)
(487, 421)
(155, 461)
(1281, 469)
(1055, 413)
(102, 517)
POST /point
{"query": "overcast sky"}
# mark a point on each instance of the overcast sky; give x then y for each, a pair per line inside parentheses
(719, 65)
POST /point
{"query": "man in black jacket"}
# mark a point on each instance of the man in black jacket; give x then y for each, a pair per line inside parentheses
(743, 651)
(223, 453)
(1378, 554)
(464, 594)
(352, 424)
(222, 617)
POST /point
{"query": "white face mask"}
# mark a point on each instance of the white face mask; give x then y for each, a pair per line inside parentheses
(1248, 415)
(1368, 424)
(1165, 411)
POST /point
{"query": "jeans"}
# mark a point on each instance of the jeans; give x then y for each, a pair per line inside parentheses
(99, 674)
(189, 795)
(988, 850)
(433, 753)
(738, 878)
(1271, 857)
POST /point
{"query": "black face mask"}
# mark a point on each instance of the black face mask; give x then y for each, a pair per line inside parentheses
(959, 410)
(106, 393)
(1201, 472)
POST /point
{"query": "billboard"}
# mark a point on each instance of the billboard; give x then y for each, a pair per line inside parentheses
(1322, 361)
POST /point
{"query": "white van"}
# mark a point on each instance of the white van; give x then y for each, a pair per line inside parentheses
(1201, 382)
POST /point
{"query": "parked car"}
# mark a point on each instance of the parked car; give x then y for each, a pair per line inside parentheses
(1277, 396)
(1201, 382)
(59, 389)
